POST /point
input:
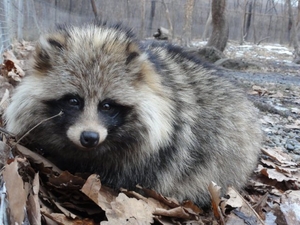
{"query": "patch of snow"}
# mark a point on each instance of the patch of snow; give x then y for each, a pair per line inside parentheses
(287, 209)
(270, 219)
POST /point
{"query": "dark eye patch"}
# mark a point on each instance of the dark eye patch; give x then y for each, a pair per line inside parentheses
(109, 108)
(112, 113)
(55, 43)
(68, 104)
(131, 56)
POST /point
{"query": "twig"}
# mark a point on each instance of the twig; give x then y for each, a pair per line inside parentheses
(262, 40)
(44, 120)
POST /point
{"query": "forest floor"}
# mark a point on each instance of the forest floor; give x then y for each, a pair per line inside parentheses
(272, 195)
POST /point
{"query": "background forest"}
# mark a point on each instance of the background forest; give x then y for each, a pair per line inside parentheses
(249, 20)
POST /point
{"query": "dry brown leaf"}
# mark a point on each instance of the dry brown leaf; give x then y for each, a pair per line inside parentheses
(4, 100)
(65, 211)
(4, 153)
(172, 203)
(126, 210)
(191, 207)
(33, 206)
(238, 210)
(279, 156)
(99, 194)
(278, 94)
(275, 175)
(151, 201)
(66, 180)
(61, 219)
(36, 158)
(215, 193)
(14, 70)
(17, 191)
(259, 90)
(178, 212)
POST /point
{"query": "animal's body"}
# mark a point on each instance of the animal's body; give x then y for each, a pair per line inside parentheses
(135, 113)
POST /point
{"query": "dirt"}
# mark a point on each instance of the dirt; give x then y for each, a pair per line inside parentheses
(275, 91)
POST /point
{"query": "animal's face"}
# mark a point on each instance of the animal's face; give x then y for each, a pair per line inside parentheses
(94, 78)
(87, 121)
(108, 91)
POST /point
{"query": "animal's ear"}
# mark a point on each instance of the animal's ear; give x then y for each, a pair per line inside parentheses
(133, 52)
(47, 48)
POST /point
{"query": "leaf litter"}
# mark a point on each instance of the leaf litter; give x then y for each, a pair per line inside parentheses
(36, 191)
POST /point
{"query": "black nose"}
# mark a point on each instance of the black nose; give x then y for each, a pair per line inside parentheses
(89, 139)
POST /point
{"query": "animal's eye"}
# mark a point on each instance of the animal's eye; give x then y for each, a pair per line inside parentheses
(106, 107)
(109, 108)
(73, 102)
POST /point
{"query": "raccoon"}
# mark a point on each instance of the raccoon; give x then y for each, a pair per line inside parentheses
(135, 113)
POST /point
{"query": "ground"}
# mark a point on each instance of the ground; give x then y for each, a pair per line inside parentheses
(272, 195)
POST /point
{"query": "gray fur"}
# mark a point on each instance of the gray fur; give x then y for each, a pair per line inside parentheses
(185, 128)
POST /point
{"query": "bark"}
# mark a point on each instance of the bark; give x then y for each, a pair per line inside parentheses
(253, 22)
(219, 35)
(283, 24)
(207, 24)
(143, 12)
(94, 7)
(294, 36)
(244, 15)
(290, 21)
(187, 30)
(20, 20)
(248, 21)
(168, 18)
(152, 14)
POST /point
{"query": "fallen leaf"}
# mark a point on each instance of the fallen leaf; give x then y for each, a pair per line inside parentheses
(66, 180)
(177, 212)
(36, 158)
(172, 203)
(17, 192)
(33, 206)
(215, 193)
(99, 194)
(238, 210)
(125, 210)
(279, 156)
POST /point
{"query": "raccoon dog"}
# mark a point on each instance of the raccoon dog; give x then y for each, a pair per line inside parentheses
(135, 113)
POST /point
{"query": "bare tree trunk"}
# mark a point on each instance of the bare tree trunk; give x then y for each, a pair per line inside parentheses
(143, 13)
(187, 30)
(94, 7)
(20, 20)
(152, 14)
(168, 18)
(207, 24)
(244, 15)
(283, 24)
(294, 36)
(290, 23)
(219, 35)
(248, 21)
(253, 22)
(298, 16)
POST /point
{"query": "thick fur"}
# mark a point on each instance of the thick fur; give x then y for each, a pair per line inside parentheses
(174, 125)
